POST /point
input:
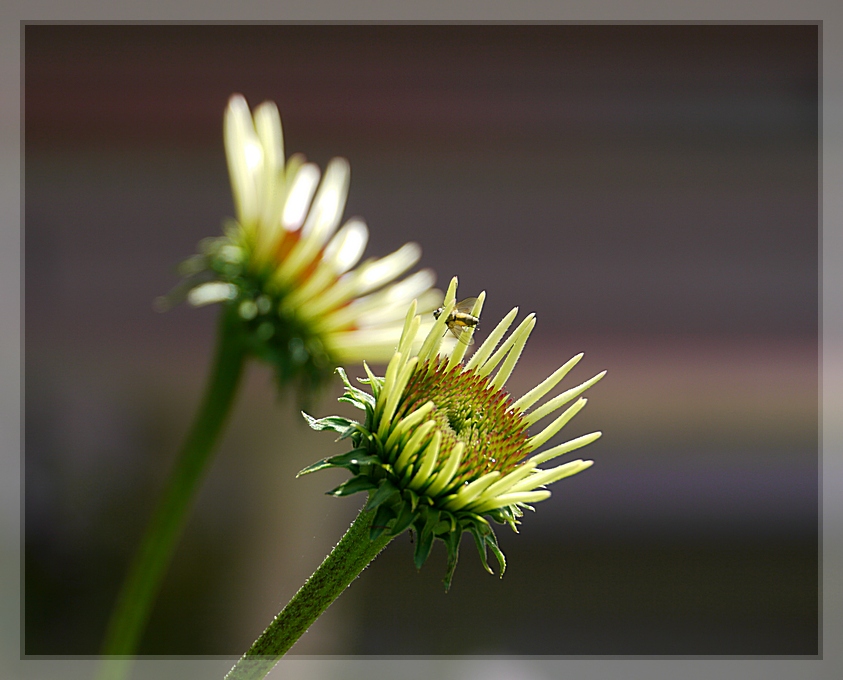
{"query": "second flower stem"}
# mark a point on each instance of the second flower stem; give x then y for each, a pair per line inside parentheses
(345, 562)
(135, 601)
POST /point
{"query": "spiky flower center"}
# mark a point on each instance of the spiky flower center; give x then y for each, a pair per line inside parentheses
(468, 409)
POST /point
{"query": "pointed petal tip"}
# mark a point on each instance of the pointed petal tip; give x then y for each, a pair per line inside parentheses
(267, 107)
(236, 99)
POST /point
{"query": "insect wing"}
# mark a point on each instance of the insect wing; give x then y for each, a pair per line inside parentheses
(462, 333)
(465, 306)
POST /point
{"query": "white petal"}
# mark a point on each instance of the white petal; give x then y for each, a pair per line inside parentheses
(396, 296)
(268, 128)
(376, 345)
(512, 358)
(271, 182)
(413, 445)
(214, 291)
(368, 276)
(489, 365)
(406, 425)
(544, 477)
(427, 463)
(510, 499)
(299, 196)
(245, 159)
(387, 314)
(321, 221)
(544, 436)
(546, 385)
(471, 491)
(567, 447)
(446, 475)
(387, 268)
(347, 246)
(485, 350)
(395, 393)
(326, 211)
(404, 291)
(561, 399)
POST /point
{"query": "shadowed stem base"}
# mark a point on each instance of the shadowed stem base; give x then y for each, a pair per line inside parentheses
(134, 603)
(345, 562)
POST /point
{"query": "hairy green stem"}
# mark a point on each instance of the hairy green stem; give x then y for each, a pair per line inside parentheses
(345, 562)
(143, 581)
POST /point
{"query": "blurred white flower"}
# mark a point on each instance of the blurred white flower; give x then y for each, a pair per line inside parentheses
(290, 268)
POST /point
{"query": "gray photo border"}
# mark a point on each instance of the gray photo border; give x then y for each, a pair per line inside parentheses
(829, 12)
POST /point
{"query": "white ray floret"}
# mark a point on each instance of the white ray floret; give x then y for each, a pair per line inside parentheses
(292, 247)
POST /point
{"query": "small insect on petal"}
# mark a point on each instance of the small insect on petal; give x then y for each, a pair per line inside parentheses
(460, 321)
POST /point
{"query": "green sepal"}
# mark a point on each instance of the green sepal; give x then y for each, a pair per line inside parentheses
(351, 400)
(353, 485)
(480, 541)
(351, 461)
(354, 394)
(377, 445)
(452, 543)
(492, 542)
(484, 536)
(380, 523)
(508, 514)
(422, 551)
(442, 527)
(447, 523)
(385, 491)
(195, 264)
(413, 497)
(480, 520)
(372, 381)
(425, 538)
(179, 292)
(320, 465)
(363, 438)
(230, 227)
(406, 517)
(336, 423)
(350, 430)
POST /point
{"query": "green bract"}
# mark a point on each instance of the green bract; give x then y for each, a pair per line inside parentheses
(443, 448)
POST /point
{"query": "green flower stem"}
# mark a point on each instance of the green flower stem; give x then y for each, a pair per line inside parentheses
(350, 557)
(142, 583)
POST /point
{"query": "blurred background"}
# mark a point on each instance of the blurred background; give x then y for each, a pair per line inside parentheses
(650, 191)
